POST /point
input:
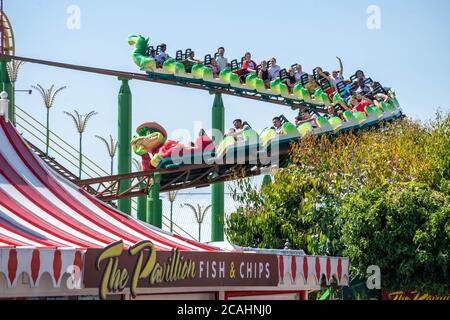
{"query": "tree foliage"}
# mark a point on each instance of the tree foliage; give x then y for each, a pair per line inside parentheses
(379, 196)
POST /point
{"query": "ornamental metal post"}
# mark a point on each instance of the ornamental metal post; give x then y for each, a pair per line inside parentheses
(154, 203)
(4, 105)
(218, 189)
(7, 86)
(124, 141)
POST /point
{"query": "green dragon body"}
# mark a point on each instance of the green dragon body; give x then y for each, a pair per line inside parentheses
(140, 55)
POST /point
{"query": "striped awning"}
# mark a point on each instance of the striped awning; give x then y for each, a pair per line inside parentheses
(40, 209)
(47, 223)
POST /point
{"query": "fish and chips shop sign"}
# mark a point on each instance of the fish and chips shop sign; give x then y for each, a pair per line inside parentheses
(413, 295)
(115, 268)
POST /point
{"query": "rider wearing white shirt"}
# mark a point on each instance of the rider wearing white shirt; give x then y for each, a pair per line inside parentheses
(274, 70)
(220, 59)
(336, 76)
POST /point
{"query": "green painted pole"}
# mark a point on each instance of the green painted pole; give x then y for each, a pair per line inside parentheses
(142, 206)
(80, 165)
(154, 203)
(47, 133)
(218, 189)
(8, 87)
(267, 180)
(124, 138)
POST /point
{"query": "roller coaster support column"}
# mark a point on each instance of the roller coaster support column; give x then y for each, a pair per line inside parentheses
(124, 138)
(142, 206)
(7, 86)
(154, 203)
(267, 180)
(218, 189)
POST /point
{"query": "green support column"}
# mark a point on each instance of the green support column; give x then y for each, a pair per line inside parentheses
(6, 85)
(142, 206)
(218, 189)
(267, 180)
(124, 138)
(154, 203)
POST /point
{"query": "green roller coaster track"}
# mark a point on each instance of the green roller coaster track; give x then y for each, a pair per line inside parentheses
(124, 186)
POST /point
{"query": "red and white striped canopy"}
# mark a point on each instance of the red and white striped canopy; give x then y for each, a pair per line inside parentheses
(40, 209)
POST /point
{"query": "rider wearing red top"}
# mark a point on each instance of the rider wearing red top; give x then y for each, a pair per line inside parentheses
(361, 107)
(248, 65)
(359, 103)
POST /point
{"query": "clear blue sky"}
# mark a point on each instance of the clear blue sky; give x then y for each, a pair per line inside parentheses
(410, 53)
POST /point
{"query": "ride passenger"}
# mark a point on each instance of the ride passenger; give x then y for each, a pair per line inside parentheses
(162, 56)
(360, 75)
(291, 80)
(359, 103)
(332, 111)
(312, 85)
(298, 72)
(153, 53)
(379, 96)
(277, 125)
(274, 70)
(238, 129)
(248, 66)
(215, 67)
(336, 76)
(361, 87)
(222, 62)
(263, 74)
(190, 61)
(320, 74)
(306, 117)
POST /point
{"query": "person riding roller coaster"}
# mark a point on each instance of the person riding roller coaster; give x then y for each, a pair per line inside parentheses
(152, 145)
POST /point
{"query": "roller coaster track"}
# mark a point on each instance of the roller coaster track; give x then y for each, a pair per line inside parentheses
(184, 177)
(174, 82)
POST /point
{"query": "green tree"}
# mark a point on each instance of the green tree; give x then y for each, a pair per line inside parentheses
(405, 230)
(332, 186)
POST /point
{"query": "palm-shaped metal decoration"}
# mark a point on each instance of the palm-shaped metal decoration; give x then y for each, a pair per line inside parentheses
(13, 71)
(200, 214)
(80, 121)
(172, 197)
(137, 165)
(48, 95)
(111, 146)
